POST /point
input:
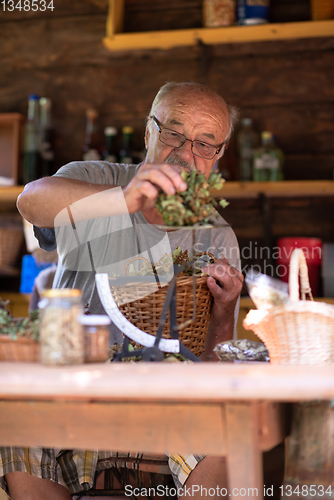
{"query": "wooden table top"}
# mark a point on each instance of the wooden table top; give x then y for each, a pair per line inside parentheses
(208, 382)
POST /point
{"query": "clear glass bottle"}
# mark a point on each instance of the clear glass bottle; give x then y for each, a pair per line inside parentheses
(91, 148)
(61, 333)
(247, 142)
(110, 152)
(46, 149)
(126, 153)
(96, 335)
(31, 162)
(268, 160)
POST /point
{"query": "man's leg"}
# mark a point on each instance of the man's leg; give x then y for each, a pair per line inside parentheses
(209, 474)
(24, 486)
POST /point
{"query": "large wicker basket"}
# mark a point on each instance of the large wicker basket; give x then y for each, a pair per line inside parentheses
(300, 332)
(145, 312)
(22, 349)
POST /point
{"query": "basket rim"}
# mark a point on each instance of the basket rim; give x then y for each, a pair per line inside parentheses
(4, 337)
(256, 316)
(181, 280)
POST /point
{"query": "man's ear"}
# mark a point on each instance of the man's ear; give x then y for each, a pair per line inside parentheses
(221, 152)
(147, 137)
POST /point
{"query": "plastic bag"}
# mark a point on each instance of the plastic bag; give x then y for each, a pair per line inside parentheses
(241, 351)
(266, 292)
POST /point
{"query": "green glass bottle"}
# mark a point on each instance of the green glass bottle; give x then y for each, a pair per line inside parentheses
(268, 160)
(126, 153)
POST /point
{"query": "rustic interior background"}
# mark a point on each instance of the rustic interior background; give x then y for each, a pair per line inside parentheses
(285, 86)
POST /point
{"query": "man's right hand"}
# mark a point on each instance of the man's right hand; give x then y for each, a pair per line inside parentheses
(142, 191)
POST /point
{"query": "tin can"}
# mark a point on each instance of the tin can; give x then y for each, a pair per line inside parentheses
(61, 334)
(252, 11)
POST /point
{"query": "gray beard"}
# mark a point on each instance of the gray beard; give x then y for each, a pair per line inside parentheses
(174, 160)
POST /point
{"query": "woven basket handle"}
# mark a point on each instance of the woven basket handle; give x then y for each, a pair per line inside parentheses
(132, 260)
(298, 267)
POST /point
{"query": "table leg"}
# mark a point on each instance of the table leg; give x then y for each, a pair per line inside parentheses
(244, 457)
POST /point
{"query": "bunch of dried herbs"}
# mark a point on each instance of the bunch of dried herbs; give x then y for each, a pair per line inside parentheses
(195, 205)
(18, 327)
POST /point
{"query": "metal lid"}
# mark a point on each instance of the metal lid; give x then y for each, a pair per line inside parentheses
(61, 293)
(93, 319)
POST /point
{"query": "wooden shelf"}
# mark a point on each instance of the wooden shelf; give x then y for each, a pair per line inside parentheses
(115, 40)
(282, 189)
(9, 194)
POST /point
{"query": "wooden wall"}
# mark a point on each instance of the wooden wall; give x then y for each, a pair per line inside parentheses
(286, 87)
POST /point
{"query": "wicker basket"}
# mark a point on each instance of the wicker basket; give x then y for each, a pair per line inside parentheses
(11, 239)
(22, 349)
(301, 332)
(145, 312)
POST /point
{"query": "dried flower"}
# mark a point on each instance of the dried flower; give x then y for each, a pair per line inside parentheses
(195, 205)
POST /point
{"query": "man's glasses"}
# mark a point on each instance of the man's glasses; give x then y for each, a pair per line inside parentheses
(175, 139)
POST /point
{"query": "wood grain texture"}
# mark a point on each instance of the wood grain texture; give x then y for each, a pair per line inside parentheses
(204, 382)
(284, 86)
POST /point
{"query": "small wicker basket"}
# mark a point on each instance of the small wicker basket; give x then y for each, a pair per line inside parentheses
(145, 312)
(21, 349)
(300, 332)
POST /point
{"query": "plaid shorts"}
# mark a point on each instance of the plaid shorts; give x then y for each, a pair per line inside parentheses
(75, 469)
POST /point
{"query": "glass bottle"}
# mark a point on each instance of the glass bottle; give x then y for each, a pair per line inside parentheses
(91, 148)
(268, 160)
(110, 153)
(247, 142)
(126, 153)
(61, 333)
(31, 161)
(46, 150)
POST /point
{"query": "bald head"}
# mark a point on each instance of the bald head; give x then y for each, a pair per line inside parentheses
(199, 95)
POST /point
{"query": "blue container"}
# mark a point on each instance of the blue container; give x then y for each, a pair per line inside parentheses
(30, 270)
(252, 11)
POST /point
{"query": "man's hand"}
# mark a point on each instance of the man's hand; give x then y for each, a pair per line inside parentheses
(225, 283)
(141, 193)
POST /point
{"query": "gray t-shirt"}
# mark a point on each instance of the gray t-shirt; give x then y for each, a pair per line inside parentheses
(106, 244)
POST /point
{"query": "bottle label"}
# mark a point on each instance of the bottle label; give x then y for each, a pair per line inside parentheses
(266, 161)
(91, 155)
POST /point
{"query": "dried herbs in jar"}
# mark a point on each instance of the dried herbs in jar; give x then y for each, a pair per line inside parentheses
(61, 334)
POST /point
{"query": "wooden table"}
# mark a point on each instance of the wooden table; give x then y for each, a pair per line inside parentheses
(214, 408)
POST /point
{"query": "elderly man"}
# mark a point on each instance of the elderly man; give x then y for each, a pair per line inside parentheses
(113, 207)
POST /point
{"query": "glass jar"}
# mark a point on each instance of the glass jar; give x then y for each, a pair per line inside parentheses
(61, 334)
(96, 336)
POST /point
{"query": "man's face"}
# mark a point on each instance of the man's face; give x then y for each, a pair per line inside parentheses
(196, 117)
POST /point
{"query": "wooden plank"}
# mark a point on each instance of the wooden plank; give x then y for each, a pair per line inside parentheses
(244, 462)
(231, 34)
(158, 428)
(115, 17)
(147, 382)
(282, 189)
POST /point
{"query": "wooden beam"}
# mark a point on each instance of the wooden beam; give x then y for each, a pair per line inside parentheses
(115, 17)
(210, 36)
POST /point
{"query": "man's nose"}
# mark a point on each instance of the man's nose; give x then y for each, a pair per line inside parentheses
(186, 148)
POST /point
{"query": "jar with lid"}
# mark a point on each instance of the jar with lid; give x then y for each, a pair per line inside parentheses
(61, 335)
(96, 337)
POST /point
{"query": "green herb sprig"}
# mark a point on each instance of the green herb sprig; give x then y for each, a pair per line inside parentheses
(195, 205)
